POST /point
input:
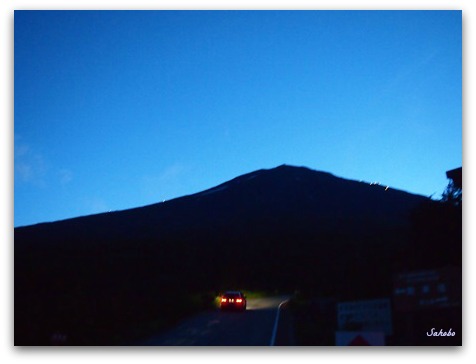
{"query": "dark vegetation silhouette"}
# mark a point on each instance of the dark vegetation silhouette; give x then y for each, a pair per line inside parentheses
(109, 278)
(436, 245)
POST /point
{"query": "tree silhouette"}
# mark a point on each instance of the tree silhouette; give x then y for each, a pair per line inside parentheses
(453, 194)
(437, 228)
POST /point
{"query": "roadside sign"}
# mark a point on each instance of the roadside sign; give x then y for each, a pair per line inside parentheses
(437, 288)
(367, 316)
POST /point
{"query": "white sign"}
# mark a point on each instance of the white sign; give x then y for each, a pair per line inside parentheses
(370, 316)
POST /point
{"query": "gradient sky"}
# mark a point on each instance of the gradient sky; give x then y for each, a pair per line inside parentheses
(115, 110)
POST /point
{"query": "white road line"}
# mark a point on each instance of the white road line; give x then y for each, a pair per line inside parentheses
(275, 328)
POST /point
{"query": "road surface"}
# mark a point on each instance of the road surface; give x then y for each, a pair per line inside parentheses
(258, 325)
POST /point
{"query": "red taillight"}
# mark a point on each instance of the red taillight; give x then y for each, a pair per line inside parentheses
(223, 299)
(239, 300)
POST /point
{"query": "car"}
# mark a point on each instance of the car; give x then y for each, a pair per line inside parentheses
(233, 300)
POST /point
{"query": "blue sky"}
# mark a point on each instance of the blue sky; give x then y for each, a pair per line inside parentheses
(114, 110)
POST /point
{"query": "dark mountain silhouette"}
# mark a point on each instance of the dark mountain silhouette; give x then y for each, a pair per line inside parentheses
(277, 195)
(286, 228)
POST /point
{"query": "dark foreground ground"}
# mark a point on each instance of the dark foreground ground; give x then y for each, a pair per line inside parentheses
(298, 323)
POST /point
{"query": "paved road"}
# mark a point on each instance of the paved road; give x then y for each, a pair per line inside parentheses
(216, 328)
